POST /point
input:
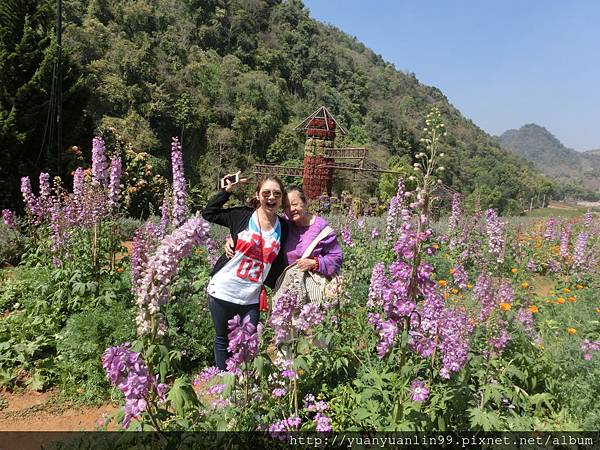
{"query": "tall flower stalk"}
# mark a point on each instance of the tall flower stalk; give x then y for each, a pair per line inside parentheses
(406, 305)
(179, 187)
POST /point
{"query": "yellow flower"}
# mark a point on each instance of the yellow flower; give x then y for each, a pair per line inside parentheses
(566, 290)
(598, 310)
(442, 283)
(533, 309)
(525, 285)
(579, 286)
(572, 299)
(560, 300)
(454, 291)
(436, 246)
(571, 330)
(505, 306)
(513, 270)
(469, 286)
(446, 295)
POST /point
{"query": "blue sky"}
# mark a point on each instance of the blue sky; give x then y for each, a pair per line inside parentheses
(502, 63)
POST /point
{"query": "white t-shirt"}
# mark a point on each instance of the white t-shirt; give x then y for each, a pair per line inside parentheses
(240, 280)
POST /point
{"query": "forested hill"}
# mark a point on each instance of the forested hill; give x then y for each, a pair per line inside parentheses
(550, 156)
(232, 77)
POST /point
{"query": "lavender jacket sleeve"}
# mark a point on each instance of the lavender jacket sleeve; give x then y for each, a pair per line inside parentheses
(329, 254)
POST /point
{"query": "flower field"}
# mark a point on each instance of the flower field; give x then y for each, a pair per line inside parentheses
(469, 323)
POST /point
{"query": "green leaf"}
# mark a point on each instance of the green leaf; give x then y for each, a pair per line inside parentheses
(182, 396)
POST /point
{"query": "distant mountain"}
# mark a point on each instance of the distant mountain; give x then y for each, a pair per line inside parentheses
(550, 156)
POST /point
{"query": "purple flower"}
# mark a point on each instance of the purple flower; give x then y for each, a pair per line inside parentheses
(396, 204)
(207, 375)
(278, 392)
(322, 422)
(484, 294)
(99, 163)
(127, 371)
(494, 231)
(587, 218)
(78, 182)
(588, 347)
(310, 316)
(30, 200)
(460, 275)
(9, 218)
(347, 236)
(244, 341)
(374, 233)
(179, 186)
(115, 182)
(579, 250)
(419, 392)
(565, 238)
(162, 268)
(549, 232)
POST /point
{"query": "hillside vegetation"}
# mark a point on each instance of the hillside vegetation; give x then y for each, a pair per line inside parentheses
(577, 172)
(232, 79)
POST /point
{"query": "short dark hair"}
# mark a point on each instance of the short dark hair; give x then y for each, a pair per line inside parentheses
(299, 190)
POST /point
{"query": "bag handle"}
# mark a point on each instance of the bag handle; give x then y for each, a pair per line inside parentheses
(324, 232)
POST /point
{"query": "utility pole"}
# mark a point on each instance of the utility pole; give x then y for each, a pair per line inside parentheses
(59, 85)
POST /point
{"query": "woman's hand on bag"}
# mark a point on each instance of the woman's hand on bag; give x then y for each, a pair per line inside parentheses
(306, 264)
(228, 247)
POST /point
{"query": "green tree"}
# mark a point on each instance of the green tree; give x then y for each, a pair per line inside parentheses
(27, 55)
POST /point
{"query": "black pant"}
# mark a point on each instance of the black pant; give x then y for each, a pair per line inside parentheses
(222, 311)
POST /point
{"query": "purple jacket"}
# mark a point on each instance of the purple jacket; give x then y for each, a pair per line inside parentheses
(327, 251)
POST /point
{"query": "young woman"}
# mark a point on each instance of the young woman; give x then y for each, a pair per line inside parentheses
(327, 256)
(258, 236)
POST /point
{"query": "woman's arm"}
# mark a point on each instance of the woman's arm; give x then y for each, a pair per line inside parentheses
(214, 211)
(330, 256)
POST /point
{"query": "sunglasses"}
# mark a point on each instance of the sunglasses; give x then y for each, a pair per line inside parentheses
(266, 193)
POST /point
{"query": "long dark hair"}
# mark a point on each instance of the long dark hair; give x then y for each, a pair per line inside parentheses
(253, 202)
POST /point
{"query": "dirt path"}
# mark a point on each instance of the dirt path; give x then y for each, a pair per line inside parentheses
(34, 411)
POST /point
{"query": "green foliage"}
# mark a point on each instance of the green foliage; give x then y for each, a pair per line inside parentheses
(85, 336)
(27, 52)
(12, 245)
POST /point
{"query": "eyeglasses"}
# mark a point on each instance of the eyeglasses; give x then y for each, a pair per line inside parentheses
(266, 193)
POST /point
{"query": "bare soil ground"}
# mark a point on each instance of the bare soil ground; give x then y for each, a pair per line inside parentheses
(35, 411)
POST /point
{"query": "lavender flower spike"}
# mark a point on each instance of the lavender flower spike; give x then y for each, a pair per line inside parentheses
(179, 186)
(99, 163)
(115, 182)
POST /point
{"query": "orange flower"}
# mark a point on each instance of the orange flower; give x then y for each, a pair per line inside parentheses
(452, 270)
(560, 300)
(572, 299)
(446, 295)
(120, 269)
(525, 285)
(533, 309)
(513, 270)
(579, 286)
(442, 283)
(505, 306)
(571, 330)
(598, 310)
